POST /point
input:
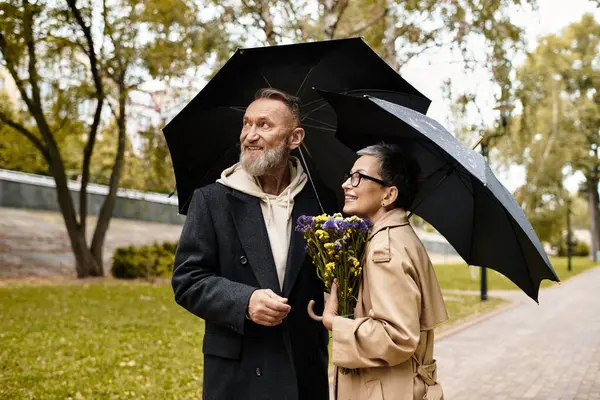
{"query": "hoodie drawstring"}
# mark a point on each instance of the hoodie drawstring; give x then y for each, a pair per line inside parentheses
(269, 210)
(289, 196)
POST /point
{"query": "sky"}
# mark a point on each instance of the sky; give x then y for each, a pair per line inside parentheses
(429, 71)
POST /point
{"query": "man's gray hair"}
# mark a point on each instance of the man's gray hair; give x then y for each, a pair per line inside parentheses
(292, 102)
(396, 169)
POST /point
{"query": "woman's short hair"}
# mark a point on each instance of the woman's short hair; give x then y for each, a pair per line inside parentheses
(396, 169)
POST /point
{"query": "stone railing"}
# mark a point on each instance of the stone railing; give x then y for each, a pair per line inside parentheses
(21, 190)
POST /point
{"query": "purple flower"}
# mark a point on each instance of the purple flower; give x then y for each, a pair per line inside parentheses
(329, 224)
(342, 226)
(304, 223)
(337, 245)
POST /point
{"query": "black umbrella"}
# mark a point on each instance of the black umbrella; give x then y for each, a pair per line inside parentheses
(204, 137)
(460, 196)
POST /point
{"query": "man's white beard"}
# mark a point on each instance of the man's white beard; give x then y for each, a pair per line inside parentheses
(270, 159)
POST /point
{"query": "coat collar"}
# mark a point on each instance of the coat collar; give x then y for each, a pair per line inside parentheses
(252, 232)
(393, 218)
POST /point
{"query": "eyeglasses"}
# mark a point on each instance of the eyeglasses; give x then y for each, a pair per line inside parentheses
(355, 178)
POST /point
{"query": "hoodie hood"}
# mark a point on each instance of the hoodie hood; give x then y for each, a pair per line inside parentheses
(237, 178)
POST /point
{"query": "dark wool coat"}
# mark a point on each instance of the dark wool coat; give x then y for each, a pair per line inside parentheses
(224, 255)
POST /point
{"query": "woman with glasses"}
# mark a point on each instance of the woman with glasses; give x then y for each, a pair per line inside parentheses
(390, 339)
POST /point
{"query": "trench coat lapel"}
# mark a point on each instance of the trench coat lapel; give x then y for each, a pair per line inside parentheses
(304, 204)
(252, 232)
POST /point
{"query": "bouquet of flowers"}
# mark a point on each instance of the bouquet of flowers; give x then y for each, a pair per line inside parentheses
(336, 246)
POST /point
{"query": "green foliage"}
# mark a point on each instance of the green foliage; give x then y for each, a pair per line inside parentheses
(578, 249)
(155, 261)
(556, 133)
(16, 152)
(156, 163)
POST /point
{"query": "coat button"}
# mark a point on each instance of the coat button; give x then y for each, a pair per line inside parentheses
(258, 372)
(243, 260)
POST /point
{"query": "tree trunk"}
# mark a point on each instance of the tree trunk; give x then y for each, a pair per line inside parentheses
(390, 36)
(334, 9)
(85, 265)
(111, 198)
(265, 14)
(593, 199)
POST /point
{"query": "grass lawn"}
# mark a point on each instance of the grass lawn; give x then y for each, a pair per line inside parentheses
(110, 340)
(462, 306)
(100, 340)
(458, 276)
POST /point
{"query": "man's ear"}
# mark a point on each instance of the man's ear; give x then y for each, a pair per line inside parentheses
(296, 138)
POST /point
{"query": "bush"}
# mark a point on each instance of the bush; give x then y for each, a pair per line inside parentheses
(149, 262)
(579, 249)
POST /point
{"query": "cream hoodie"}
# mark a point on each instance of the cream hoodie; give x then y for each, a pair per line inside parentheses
(276, 210)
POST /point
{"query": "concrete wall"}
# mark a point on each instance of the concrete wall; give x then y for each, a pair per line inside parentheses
(20, 190)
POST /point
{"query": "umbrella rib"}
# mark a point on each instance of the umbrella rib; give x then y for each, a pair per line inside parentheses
(472, 226)
(264, 77)
(310, 71)
(512, 227)
(446, 175)
(312, 111)
(321, 122)
(319, 127)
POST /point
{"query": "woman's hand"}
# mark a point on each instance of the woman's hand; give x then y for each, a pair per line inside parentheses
(331, 307)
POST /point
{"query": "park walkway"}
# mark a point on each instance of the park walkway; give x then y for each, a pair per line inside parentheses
(549, 351)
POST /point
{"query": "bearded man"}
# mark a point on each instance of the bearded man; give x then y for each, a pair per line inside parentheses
(241, 266)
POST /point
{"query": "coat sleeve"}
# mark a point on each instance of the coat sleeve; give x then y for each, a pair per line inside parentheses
(389, 335)
(195, 281)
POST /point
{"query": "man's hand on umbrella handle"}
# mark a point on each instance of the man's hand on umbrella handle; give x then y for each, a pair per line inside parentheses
(267, 308)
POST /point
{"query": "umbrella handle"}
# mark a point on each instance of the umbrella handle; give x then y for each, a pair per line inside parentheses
(477, 142)
(311, 312)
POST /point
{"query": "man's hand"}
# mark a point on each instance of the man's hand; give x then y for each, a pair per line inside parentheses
(331, 307)
(266, 308)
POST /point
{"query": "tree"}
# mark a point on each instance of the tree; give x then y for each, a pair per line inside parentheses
(75, 67)
(558, 129)
(16, 152)
(397, 30)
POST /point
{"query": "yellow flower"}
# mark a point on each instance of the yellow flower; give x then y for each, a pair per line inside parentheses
(330, 266)
(329, 246)
(350, 290)
(322, 235)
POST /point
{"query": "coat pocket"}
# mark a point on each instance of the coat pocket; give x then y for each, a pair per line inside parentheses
(222, 345)
(374, 390)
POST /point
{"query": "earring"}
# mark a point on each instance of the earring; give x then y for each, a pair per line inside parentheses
(383, 204)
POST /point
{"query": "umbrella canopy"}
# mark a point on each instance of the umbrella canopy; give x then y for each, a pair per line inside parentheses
(460, 196)
(204, 137)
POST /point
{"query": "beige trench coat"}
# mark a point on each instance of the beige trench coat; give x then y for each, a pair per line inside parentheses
(391, 338)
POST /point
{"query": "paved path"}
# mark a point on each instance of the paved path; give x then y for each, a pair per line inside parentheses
(35, 243)
(550, 351)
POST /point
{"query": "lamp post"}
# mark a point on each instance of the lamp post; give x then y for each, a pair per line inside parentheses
(569, 238)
